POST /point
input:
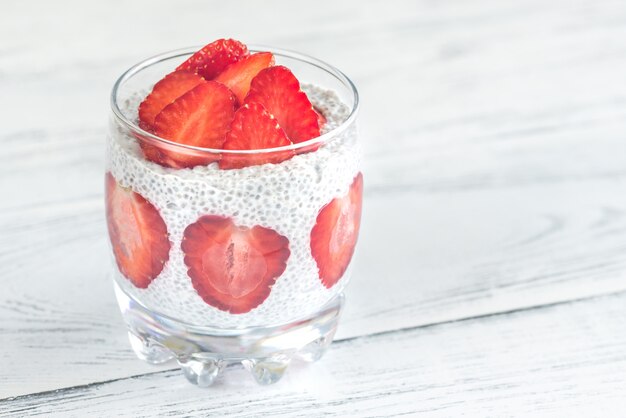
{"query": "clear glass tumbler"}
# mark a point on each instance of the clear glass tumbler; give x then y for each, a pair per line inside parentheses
(287, 232)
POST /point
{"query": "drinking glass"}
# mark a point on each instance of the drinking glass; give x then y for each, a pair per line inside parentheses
(291, 306)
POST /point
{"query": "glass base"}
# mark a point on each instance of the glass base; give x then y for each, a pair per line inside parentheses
(204, 352)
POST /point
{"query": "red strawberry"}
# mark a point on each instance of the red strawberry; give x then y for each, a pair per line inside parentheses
(201, 117)
(335, 233)
(321, 121)
(233, 268)
(238, 76)
(278, 90)
(213, 58)
(253, 128)
(165, 92)
(138, 234)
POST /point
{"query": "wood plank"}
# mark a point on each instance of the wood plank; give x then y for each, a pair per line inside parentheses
(565, 360)
(60, 313)
(494, 176)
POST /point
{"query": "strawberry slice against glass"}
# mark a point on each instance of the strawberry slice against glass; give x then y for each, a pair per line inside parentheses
(138, 234)
(335, 233)
(233, 268)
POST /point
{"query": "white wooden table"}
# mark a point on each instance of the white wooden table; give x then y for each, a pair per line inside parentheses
(491, 273)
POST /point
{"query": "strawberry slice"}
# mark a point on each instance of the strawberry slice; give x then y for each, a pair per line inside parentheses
(278, 90)
(238, 76)
(213, 58)
(321, 121)
(253, 128)
(335, 233)
(165, 92)
(138, 234)
(201, 117)
(233, 268)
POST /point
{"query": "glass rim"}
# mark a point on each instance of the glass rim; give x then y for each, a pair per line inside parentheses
(324, 138)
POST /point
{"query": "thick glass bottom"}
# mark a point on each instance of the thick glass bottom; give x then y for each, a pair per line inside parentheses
(204, 352)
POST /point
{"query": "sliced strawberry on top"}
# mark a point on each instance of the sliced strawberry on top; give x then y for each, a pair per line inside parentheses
(321, 121)
(201, 117)
(238, 76)
(253, 128)
(233, 268)
(213, 58)
(170, 88)
(138, 234)
(335, 233)
(278, 90)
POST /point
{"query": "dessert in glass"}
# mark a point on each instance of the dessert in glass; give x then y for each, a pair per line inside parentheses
(233, 202)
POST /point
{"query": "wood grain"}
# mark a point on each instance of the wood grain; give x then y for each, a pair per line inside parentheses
(495, 171)
(565, 360)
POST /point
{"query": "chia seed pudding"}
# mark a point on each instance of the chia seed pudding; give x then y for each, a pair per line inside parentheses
(285, 197)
